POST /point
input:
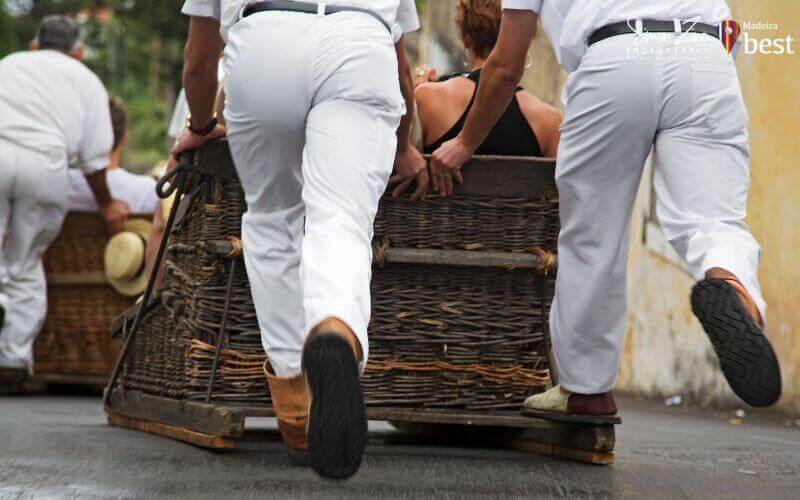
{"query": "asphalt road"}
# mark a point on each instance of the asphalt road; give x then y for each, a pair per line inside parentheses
(61, 447)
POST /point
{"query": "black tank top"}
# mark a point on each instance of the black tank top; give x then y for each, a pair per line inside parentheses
(511, 136)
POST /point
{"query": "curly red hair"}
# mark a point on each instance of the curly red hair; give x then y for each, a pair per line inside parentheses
(479, 24)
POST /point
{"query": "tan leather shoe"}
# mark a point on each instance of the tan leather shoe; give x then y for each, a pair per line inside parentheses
(559, 404)
(732, 322)
(338, 327)
(337, 421)
(747, 301)
(291, 402)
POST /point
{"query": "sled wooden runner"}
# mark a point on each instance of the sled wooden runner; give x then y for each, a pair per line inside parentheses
(219, 427)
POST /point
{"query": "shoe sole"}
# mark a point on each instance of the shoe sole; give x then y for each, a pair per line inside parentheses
(337, 421)
(745, 355)
(573, 418)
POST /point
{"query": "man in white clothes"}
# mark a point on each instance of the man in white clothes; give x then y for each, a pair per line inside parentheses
(643, 75)
(319, 102)
(51, 107)
(135, 190)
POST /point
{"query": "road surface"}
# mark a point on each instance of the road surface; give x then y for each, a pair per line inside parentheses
(60, 447)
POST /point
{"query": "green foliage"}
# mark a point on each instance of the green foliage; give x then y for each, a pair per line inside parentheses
(138, 54)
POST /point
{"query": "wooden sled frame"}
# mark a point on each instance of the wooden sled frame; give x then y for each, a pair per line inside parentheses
(219, 427)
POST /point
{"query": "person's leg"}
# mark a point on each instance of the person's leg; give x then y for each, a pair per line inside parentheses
(605, 139)
(701, 182)
(266, 108)
(350, 151)
(347, 163)
(7, 165)
(37, 211)
(267, 99)
(348, 160)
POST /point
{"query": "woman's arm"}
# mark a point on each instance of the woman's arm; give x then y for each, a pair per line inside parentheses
(548, 130)
(545, 121)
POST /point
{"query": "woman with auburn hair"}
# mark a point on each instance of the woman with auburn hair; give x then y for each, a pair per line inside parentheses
(528, 127)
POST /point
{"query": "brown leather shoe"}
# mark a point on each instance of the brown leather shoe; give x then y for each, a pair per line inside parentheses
(290, 401)
(559, 404)
(338, 327)
(747, 301)
(13, 375)
(337, 421)
(732, 322)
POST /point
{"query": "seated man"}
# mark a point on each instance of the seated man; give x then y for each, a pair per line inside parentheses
(528, 127)
(137, 191)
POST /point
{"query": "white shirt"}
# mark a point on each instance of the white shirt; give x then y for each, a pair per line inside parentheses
(400, 15)
(137, 191)
(568, 24)
(51, 101)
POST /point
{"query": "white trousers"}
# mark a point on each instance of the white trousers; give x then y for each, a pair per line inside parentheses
(313, 105)
(680, 96)
(33, 204)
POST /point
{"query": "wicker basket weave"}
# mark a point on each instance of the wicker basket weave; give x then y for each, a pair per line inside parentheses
(74, 340)
(464, 334)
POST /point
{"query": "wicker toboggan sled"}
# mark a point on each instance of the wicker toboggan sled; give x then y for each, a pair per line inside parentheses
(73, 346)
(461, 290)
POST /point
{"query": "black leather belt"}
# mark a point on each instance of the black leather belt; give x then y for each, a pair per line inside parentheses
(651, 26)
(308, 8)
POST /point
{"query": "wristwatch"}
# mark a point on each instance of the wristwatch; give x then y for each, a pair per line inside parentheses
(202, 131)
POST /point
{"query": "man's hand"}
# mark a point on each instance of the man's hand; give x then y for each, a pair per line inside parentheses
(189, 141)
(115, 213)
(409, 165)
(446, 163)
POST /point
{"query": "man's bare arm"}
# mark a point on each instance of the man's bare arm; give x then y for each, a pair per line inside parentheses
(499, 79)
(500, 75)
(113, 211)
(200, 79)
(407, 89)
(409, 164)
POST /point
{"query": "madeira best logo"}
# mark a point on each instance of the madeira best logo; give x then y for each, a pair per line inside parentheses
(783, 45)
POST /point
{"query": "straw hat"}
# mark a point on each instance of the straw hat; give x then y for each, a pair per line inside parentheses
(125, 258)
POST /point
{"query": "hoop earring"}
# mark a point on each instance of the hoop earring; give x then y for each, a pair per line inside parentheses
(465, 58)
(529, 61)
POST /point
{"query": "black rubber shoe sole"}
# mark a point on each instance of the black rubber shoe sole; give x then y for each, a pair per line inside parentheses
(337, 421)
(745, 355)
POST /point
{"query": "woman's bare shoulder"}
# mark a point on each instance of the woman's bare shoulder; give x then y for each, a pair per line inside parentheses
(537, 110)
(438, 100)
(544, 119)
(440, 104)
(438, 90)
